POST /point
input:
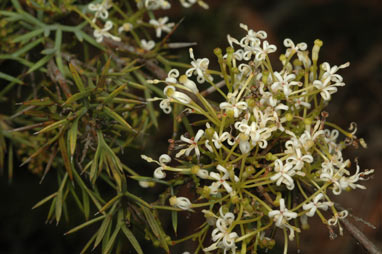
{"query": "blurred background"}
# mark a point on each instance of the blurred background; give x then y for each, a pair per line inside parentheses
(350, 30)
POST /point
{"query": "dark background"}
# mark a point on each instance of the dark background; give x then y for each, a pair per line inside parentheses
(350, 30)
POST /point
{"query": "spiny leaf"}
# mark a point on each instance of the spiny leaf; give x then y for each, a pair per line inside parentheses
(102, 230)
(76, 97)
(130, 236)
(114, 93)
(109, 245)
(132, 239)
(25, 37)
(65, 157)
(40, 63)
(52, 126)
(44, 147)
(75, 229)
(109, 203)
(105, 71)
(77, 78)
(10, 78)
(86, 205)
(153, 223)
(27, 47)
(174, 218)
(59, 199)
(84, 187)
(43, 201)
(117, 118)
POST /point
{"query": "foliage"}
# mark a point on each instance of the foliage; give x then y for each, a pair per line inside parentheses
(91, 74)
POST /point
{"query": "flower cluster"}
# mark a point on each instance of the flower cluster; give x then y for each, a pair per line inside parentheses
(100, 10)
(265, 154)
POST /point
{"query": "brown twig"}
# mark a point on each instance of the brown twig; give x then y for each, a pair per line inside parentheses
(360, 237)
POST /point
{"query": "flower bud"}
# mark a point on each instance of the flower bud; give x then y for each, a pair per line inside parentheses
(316, 49)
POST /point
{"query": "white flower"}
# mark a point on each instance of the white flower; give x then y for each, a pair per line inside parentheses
(341, 215)
(233, 105)
(223, 238)
(187, 3)
(145, 184)
(326, 88)
(237, 108)
(193, 144)
(163, 160)
(100, 33)
(298, 102)
(180, 202)
(165, 106)
(350, 182)
(252, 37)
(330, 72)
(258, 135)
(282, 216)
(263, 52)
(292, 48)
(200, 67)
(189, 84)
(156, 4)
(221, 180)
(315, 204)
(125, 27)
(171, 92)
(172, 76)
(283, 174)
(147, 45)
(298, 159)
(308, 138)
(100, 10)
(218, 140)
(284, 83)
(160, 25)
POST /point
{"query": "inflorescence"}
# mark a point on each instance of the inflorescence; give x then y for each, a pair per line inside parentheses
(265, 156)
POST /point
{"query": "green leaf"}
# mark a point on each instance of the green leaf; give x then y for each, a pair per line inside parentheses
(92, 41)
(27, 47)
(150, 106)
(40, 63)
(109, 245)
(117, 118)
(132, 239)
(93, 169)
(76, 97)
(65, 157)
(26, 37)
(86, 205)
(16, 4)
(83, 225)
(105, 71)
(48, 51)
(102, 230)
(43, 201)
(174, 218)
(109, 203)
(59, 199)
(114, 93)
(72, 134)
(86, 247)
(52, 126)
(77, 78)
(153, 223)
(10, 78)
(84, 187)
(79, 36)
